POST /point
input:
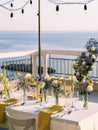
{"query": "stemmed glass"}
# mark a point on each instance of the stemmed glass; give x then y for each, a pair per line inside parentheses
(67, 104)
(76, 100)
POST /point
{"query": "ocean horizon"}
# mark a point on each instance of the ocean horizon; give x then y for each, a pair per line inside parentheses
(12, 41)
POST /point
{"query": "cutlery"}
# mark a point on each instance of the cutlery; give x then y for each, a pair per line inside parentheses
(21, 104)
(64, 113)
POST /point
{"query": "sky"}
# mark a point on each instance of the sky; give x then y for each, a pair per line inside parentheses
(69, 17)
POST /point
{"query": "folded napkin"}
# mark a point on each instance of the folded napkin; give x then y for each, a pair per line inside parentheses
(3, 104)
(45, 116)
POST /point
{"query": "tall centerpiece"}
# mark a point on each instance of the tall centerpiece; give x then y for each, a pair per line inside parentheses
(83, 69)
(25, 80)
(57, 85)
(48, 86)
(5, 85)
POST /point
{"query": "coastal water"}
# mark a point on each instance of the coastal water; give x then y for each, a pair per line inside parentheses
(13, 41)
(27, 40)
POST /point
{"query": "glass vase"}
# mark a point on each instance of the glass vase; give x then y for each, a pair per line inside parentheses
(45, 95)
(6, 91)
(56, 98)
(85, 100)
(24, 94)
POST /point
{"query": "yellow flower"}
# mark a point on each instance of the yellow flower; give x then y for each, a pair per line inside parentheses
(18, 74)
(1, 75)
(31, 80)
(90, 82)
(5, 80)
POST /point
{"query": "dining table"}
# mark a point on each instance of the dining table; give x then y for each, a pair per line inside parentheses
(70, 118)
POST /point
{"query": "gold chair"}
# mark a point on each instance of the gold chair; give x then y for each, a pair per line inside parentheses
(70, 87)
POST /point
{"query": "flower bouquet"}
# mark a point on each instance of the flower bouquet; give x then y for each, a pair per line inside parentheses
(57, 87)
(5, 83)
(84, 66)
(25, 81)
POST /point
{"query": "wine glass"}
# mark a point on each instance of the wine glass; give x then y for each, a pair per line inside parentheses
(76, 100)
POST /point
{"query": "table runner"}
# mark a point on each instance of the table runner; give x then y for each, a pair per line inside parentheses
(3, 104)
(45, 115)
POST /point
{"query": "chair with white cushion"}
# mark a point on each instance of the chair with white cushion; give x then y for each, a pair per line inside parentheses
(20, 124)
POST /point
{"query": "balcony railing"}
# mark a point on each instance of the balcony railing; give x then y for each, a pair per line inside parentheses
(64, 66)
(54, 62)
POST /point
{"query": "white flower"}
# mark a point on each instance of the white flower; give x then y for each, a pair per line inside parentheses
(77, 73)
(83, 63)
(89, 88)
(55, 82)
(89, 72)
(92, 48)
(41, 84)
(83, 81)
(48, 78)
(28, 75)
(93, 56)
(87, 53)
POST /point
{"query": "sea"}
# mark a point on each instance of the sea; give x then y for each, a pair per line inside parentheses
(13, 41)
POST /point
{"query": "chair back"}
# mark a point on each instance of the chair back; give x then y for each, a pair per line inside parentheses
(17, 124)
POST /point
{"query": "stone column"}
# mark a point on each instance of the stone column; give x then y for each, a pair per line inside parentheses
(45, 66)
(34, 65)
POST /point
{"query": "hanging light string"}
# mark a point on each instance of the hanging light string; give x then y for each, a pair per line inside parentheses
(7, 2)
(14, 9)
(58, 2)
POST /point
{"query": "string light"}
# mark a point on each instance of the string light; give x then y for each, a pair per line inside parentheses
(30, 1)
(22, 11)
(11, 14)
(57, 8)
(70, 1)
(4, 5)
(57, 2)
(85, 7)
(11, 4)
(61, 2)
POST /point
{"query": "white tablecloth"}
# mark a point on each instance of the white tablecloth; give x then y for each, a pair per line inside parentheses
(80, 119)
